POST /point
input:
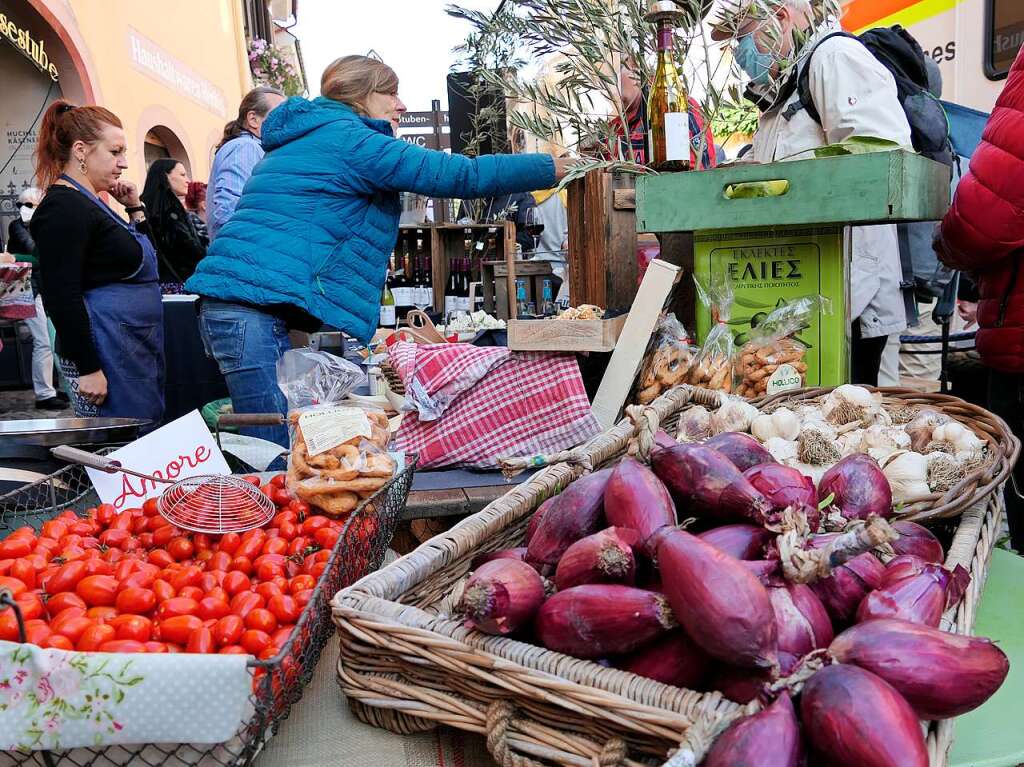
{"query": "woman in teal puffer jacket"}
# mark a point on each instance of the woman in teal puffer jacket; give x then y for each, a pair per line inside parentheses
(310, 240)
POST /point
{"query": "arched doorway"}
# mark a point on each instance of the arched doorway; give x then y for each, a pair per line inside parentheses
(160, 141)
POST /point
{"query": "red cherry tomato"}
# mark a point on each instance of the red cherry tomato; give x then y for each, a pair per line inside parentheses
(229, 543)
(221, 560)
(97, 590)
(242, 564)
(135, 600)
(218, 592)
(235, 582)
(66, 578)
(212, 608)
(24, 571)
(37, 632)
(284, 608)
(180, 548)
(62, 601)
(327, 537)
(101, 614)
(234, 649)
(301, 583)
(314, 523)
(177, 606)
(58, 642)
(98, 566)
(15, 585)
(278, 480)
(150, 508)
(228, 630)
(242, 604)
(187, 576)
(163, 590)
(123, 645)
(301, 509)
(164, 534)
(160, 557)
(261, 619)
(268, 589)
(275, 546)
(192, 592)
(303, 597)
(135, 627)
(255, 641)
(156, 647)
(95, 635)
(252, 544)
(121, 521)
(179, 628)
(54, 528)
(200, 641)
(287, 531)
(15, 546)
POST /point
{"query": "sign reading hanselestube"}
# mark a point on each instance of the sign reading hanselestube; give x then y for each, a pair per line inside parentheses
(32, 49)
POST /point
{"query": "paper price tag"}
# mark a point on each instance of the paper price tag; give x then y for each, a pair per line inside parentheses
(326, 428)
(784, 378)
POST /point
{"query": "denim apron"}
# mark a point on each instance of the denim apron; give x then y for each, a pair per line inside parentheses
(127, 329)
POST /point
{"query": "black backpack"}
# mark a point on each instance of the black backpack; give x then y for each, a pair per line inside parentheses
(901, 54)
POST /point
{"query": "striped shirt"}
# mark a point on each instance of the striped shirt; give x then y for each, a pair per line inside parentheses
(232, 166)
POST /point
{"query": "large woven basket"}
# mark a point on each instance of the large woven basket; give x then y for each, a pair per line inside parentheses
(1003, 448)
(406, 666)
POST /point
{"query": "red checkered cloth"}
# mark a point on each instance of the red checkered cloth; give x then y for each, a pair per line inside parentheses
(436, 374)
(527, 404)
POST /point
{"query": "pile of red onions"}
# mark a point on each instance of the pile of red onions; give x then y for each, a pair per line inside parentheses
(712, 610)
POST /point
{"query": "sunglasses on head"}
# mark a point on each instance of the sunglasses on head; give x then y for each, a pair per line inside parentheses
(26, 204)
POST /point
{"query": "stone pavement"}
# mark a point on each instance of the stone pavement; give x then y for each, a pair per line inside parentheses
(19, 404)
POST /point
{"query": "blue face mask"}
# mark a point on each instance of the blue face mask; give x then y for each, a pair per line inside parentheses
(756, 64)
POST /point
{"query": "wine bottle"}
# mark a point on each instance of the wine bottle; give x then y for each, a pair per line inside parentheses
(464, 287)
(426, 292)
(388, 318)
(451, 289)
(669, 135)
(398, 279)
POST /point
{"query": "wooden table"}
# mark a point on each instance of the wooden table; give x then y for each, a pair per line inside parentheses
(430, 504)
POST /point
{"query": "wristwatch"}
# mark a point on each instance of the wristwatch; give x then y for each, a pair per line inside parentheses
(140, 208)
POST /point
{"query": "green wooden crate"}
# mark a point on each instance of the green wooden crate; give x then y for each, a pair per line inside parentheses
(770, 267)
(869, 188)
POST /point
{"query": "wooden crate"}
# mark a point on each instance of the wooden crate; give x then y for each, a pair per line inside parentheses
(555, 335)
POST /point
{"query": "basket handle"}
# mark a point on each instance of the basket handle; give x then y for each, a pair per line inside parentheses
(250, 419)
(84, 458)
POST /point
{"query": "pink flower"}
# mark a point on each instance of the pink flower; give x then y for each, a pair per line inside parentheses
(51, 724)
(118, 726)
(44, 690)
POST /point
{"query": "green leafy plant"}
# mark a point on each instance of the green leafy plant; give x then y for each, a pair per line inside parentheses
(269, 65)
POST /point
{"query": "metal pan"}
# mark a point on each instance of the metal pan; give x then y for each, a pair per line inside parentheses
(50, 432)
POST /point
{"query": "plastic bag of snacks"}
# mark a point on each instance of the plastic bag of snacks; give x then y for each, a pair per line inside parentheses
(338, 452)
(773, 359)
(668, 360)
(714, 364)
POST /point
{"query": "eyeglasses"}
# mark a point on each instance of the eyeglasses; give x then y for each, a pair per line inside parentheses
(26, 205)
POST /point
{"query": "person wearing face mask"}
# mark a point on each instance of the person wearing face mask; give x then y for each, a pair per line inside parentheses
(313, 232)
(22, 246)
(854, 95)
(179, 246)
(98, 271)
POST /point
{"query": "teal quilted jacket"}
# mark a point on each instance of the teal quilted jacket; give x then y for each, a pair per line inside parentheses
(318, 218)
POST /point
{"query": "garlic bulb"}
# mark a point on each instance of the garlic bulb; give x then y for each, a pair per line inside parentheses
(734, 415)
(818, 445)
(921, 428)
(959, 436)
(907, 473)
(782, 423)
(885, 437)
(944, 471)
(849, 403)
(810, 414)
(782, 450)
(694, 424)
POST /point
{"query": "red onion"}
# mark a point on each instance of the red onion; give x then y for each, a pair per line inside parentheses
(673, 659)
(501, 596)
(604, 557)
(705, 482)
(858, 486)
(919, 541)
(786, 487)
(762, 569)
(769, 738)
(743, 685)
(597, 620)
(901, 567)
(802, 621)
(722, 606)
(941, 675)
(538, 515)
(920, 598)
(842, 592)
(663, 439)
(489, 556)
(635, 498)
(575, 513)
(743, 450)
(740, 541)
(853, 718)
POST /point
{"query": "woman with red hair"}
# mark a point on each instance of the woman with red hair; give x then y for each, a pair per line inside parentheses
(98, 272)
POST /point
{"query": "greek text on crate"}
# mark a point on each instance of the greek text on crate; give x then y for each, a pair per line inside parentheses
(136, 487)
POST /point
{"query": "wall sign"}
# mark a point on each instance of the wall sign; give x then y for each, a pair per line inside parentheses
(150, 59)
(32, 49)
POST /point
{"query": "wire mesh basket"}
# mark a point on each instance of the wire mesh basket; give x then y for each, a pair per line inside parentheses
(277, 682)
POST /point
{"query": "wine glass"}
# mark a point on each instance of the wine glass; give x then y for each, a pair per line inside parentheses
(534, 226)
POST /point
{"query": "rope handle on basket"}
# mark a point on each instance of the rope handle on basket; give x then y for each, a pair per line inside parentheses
(500, 716)
(510, 467)
(701, 735)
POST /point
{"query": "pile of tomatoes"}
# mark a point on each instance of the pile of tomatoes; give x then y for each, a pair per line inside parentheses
(132, 582)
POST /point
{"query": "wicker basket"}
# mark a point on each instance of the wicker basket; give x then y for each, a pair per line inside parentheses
(407, 667)
(1003, 447)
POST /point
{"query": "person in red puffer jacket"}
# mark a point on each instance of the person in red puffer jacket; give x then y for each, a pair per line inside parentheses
(983, 235)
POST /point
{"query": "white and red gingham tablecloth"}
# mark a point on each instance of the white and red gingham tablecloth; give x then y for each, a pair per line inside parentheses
(470, 406)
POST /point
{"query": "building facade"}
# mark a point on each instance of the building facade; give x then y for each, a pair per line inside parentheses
(173, 72)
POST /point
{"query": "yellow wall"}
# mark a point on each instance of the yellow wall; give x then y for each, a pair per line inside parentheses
(205, 36)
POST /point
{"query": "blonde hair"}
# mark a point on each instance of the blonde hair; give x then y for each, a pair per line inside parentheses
(351, 79)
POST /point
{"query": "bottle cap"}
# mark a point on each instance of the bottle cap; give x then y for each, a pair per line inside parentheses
(672, 11)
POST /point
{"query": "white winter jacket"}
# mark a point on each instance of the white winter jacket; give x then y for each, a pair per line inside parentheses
(855, 96)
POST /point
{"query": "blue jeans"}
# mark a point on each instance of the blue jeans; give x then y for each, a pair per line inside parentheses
(247, 343)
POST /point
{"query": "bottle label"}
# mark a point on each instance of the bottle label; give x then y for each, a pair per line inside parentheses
(677, 136)
(401, 296)
(462, 304)
(387, 315)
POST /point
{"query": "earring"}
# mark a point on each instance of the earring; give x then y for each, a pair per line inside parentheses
(81, 166)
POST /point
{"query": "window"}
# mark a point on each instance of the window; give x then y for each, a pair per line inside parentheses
(1005, 34)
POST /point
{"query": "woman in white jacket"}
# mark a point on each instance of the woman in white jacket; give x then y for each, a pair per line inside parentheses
(855, 96)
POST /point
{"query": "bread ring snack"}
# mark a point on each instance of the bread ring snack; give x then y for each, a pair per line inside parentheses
(773, 344)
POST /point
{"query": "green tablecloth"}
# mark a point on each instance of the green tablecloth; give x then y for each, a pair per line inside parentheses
(993, 735)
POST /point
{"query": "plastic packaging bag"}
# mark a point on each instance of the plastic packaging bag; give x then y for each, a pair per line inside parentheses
(668, 360)
(714, 365)
(773, 359)
(338, 452)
